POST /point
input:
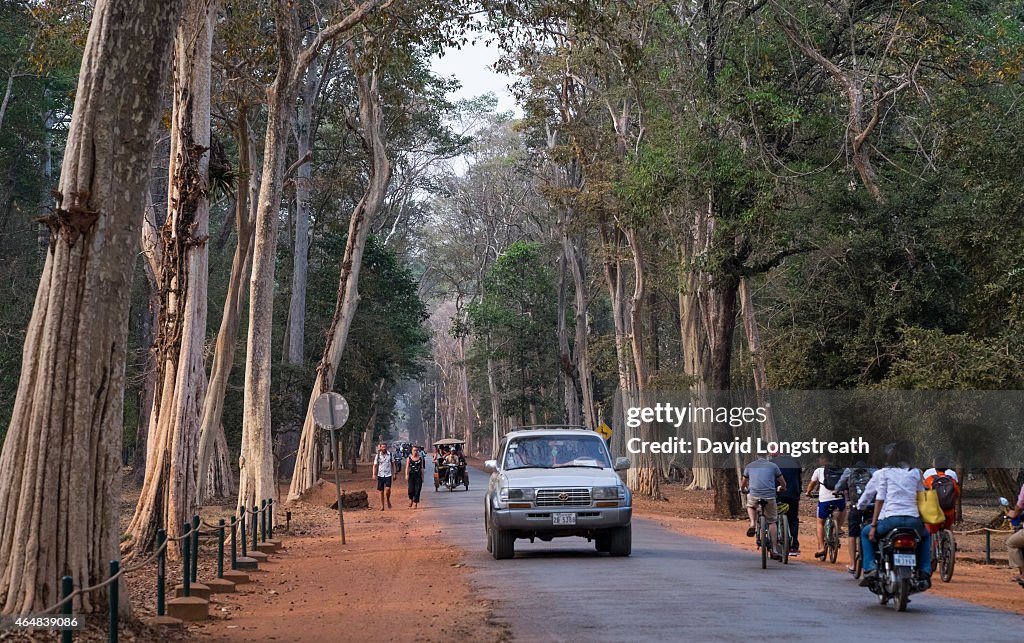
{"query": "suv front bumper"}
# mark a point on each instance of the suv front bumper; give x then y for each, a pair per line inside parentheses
(538, 519)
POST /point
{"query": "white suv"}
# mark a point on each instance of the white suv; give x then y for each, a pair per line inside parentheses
(555, 481)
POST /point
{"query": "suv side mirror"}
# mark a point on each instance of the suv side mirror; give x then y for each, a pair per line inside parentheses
(490, 466)
(621, 464)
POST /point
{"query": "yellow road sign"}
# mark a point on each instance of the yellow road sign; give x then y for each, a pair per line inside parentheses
(605, 431)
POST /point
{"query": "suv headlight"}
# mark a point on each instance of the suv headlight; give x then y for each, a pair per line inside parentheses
(515, 494)
(617, 492)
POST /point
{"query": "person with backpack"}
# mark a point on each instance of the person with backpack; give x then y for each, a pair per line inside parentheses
(792, 473)
(852, 483)
(944, 481)
(824, 480)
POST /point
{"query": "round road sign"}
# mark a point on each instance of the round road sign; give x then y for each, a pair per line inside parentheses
(330, 411)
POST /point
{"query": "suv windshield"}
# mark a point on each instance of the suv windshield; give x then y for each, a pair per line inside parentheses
(552, 451)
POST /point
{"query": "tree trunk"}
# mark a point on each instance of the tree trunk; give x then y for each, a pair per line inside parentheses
(568, 368)
(574, 258)
(68, 409)
(768, 431)
(214, 469)
(168, 493)
(295, 333)
(371, 130)
(642, 476)
(492, 390)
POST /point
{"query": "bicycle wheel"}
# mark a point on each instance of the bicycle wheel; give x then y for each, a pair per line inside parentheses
(947, 556)
(784, 538)
(762, 525)
(833, 549)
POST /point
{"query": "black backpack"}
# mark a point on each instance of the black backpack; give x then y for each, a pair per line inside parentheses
(832, 475)
(856, 483)
(945, 489)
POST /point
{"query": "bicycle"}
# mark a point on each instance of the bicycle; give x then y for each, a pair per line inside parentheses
(782, 528)
(832, 542)
(944, 554)
(761, 533)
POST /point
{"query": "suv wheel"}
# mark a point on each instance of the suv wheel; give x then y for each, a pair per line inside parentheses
(503, 544)
(621, 541)
(490, 535)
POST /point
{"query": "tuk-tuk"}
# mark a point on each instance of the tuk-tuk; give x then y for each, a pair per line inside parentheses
(450, 464)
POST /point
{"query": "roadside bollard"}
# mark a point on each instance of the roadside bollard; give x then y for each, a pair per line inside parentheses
(161, 571)
(288, 521)
(241, 520)
(195, 548)
(270, 516)
(112, 599)
(66, 587)
(186, 563)
(234, 544)
(220, 548)
(263, 521)
(988, 546)
(255, 528)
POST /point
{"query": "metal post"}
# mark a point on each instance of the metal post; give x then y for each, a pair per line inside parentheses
(195, 548)
(66, 587)
(220, 548)
(270, 516)
(255, 528)
(161, 570)
(263, 521)
(288, 521)
(112, 599)
(241, 520)
(337, 481)
(234, 544)
(186, 562)
(988, 546)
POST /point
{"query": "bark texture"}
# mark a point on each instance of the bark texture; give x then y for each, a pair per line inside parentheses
(168, 493)
(60, 462)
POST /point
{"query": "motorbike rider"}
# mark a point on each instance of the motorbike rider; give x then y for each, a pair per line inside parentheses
(893, 492)
(1015, 543)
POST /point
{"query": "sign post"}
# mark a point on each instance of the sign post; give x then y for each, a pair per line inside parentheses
(330, 411)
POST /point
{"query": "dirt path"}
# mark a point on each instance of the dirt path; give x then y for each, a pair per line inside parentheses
(688, 512)
(395, 579)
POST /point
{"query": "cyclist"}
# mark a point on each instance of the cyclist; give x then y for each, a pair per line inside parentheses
(893, 492)
(791, 471)
(944, 481)
(761, 481)
(852, 483)
(824, 480)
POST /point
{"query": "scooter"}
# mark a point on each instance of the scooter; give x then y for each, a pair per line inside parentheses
(898, 573)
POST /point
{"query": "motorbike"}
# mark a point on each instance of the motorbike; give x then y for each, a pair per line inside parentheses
(898, 573)
(451, 476)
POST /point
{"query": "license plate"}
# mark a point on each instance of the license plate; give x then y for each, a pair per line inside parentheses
(563, 519)
(904, 560)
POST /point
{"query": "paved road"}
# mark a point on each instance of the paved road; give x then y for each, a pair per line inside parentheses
(675, 587)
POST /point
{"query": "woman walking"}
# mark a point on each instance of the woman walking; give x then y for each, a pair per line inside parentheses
(414, 475)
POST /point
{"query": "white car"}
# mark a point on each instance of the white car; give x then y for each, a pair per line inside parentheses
(556, 481)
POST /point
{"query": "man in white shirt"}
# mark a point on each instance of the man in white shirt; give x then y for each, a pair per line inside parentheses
(828, 500)
(893, 493)
(383, 472)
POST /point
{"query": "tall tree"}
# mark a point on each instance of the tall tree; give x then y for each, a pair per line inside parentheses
(70, 395)
(168, 497)
(256, 463)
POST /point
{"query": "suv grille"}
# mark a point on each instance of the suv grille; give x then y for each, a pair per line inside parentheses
(563, 497)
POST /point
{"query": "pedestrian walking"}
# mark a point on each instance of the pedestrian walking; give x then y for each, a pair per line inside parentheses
(382, 473)
(414, 476)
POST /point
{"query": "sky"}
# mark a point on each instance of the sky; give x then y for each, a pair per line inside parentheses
(471, 65)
